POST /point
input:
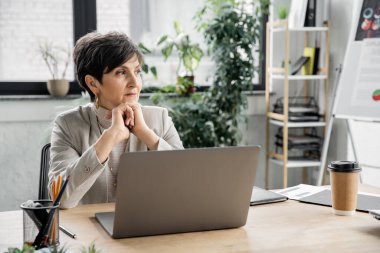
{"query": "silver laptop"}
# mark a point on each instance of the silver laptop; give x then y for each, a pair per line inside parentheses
(164, 192)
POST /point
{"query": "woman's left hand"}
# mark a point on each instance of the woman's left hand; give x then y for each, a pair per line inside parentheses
(139, 128)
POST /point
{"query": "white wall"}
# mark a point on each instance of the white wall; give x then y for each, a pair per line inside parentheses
(25, 127)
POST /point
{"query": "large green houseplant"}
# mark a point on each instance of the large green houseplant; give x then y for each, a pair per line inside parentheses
(189, 54)
(231, 32)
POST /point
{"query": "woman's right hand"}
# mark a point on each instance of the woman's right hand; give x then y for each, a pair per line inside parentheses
(122, 116)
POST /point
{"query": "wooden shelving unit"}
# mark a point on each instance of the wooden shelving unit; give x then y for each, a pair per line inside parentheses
(281, 74)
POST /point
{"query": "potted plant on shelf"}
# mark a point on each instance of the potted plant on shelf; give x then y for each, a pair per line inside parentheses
(55, 57)
(189, 53)
(282, 12)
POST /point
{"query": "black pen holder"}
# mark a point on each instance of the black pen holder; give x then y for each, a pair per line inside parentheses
(35, 217)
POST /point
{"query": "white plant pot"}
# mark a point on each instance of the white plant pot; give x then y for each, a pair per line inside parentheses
(58, 87)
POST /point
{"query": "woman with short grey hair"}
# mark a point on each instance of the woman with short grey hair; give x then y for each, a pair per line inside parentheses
(87, 142)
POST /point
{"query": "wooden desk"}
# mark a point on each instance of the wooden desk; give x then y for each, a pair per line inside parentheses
(282, 227)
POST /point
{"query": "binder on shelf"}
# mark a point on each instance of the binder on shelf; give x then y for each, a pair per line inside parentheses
(316, 61)
(310, 13)
(307, 69)
(299, 63)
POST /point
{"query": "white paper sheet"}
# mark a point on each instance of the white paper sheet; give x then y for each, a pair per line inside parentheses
(299, 191)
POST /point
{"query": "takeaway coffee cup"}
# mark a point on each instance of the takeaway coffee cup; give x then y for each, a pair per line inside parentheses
(344, 178)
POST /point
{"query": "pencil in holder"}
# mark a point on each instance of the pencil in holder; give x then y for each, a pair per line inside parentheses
(35, 217)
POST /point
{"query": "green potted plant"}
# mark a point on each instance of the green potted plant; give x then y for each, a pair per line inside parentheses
(211, 118)
(56, 58)
(189, 54)
(231, 30)
(282, 12)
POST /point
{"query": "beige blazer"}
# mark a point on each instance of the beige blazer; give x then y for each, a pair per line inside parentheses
(72, 151)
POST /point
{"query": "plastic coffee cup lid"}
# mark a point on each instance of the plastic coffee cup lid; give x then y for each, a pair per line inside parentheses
(344, 166)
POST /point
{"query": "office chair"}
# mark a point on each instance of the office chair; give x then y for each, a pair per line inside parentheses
(44, 170)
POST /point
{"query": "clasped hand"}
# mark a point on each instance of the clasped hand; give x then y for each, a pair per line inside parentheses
(127, 118)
